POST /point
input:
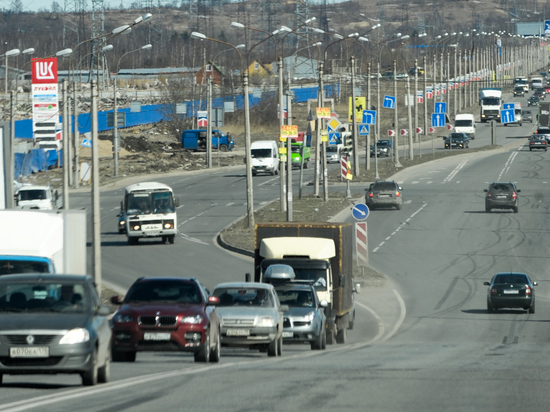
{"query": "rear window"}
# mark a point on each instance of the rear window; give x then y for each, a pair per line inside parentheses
(511, 279)
(502, 187)
(384, 186)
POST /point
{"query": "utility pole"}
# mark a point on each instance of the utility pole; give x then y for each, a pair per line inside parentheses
(355, 132)
(209, 125)
(281, 124)
(66, 144)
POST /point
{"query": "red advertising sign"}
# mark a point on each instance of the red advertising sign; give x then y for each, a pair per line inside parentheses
(44, 70)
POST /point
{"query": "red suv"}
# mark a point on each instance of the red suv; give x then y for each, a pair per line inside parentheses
(166, 314)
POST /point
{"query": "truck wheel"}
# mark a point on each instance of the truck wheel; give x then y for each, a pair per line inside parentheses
(351, 322)
(329, 337)
(306, 164)
(171, 239)
(133, 240)
(223, 148)
(341, 336)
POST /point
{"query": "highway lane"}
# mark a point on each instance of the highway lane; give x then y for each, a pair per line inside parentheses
(437, 250)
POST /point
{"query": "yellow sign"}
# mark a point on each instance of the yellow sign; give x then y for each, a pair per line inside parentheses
(324, 137)
(360, 105)
(323, 112)
(282, 150)
(289, 131)
(334, 123)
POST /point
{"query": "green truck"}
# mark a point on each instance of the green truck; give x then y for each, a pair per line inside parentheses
(301, 154)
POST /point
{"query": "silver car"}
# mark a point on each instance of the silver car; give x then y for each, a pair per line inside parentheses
(52, 324)
(250, 316)
(305, 321)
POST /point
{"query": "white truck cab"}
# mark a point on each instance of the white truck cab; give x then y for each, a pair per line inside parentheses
(265, 157)
(36, 197)
(466, 123)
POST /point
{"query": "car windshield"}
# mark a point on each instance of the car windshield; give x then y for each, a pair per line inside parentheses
(164, 291)
(163, 202)
(463, 123)
(457, 135)
(14, 266)
(138, 203)
(299, 298)
(244, 296)
(42, 296)
(510, 279)
(260, 153)
(332, 149)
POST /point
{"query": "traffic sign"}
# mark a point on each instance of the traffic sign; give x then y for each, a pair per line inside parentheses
(507, 106)
(432, 129)
(420, 130)
(507, 116)
(389, 102)
(404, 132)
(441, 107)
(391, 132)
(369, 116)
(334, 138)
(438, 120)
(334, 123)
(86, 143)
(547, 27)
(360, 211)
(363, 129)
(450, 127)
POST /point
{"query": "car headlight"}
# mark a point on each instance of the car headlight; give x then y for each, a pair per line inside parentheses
(73, 336)
(267, 322)
(310, 316)
(122, 223)
(135, 227)
(169, 225)
(120, 318)
(192, 319)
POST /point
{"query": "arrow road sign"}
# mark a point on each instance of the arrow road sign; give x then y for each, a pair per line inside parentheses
(450, 127)
(441, 107)
(507, 106)
(363, 129)
(404, 132)
(420, 130)
(369, 116)
(391, 132)
(389, 102)
(507, 116)
(432, 129)
(360, 211)
(438, 120)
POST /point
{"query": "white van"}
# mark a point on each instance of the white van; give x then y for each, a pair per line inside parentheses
(36, 197)
(466, 123)
(265, 157)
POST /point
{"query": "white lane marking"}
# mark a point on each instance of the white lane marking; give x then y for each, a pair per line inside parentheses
(406, 222)
(269, 181)
(230, 204)
(414, 182)
(429, 183)
(192, 239)
(451, 175)
(507, 165)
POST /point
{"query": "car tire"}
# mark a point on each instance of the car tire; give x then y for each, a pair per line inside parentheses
(216, 351)
(317, 344)
(104, 373)
(341, 336)
(515, 209)
(532, 308)
(133, 240)
(280, 346)
(1, 377)
(171, 239)
(530, 149)
(130, 357)
(398, 207)
(89, 377)
(351, 322)
(203, 355)
(272, 348)
(490, 309)
(324, 344)
(120, 231)
(118, 356)
(487, 209)
(223, 148)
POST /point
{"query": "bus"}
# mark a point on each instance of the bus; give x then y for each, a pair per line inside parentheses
(149, 210)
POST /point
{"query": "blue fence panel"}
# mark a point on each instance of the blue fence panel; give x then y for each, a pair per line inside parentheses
(38, 162)
(18, 163)
(51, 158)
(26, 169)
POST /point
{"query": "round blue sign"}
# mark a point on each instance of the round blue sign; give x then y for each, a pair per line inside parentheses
(360, 211)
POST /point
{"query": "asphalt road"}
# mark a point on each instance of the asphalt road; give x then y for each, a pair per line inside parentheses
(424, 342)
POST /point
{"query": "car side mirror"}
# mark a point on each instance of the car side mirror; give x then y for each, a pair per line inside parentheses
(323, 304)
(117, 300)
(357, 288)
(284, 308)
(487, 283)
(535, 283)
(485, 190)
(518, 190)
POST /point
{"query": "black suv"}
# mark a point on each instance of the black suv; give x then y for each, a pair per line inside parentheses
(502, 195)
(384, 193)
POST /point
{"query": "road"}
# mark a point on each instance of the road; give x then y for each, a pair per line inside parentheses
(424, 342)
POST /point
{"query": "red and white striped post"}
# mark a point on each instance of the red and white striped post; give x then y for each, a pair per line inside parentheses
(344, 167)
(361, 244)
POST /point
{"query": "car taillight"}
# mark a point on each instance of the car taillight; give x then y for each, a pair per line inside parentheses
(371, 194)
(488, 194)
(527, 290)
(397, 194)
(493, 291)
(514, 195)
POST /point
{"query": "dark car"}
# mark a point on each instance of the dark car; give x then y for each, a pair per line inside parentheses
(384, 193)
(53, 324)
(458, 140)
(501, 195)
(383, 148)
(543, 130)
(538, 142)
(387, 76)
(519, 91)
(166, 314)
(533, 101)
(511, 290)
(538, 94)
(305, 320)
(527, 116)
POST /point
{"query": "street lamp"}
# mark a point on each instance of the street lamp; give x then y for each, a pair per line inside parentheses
(12, 52)
(115, 116)
(249, 187)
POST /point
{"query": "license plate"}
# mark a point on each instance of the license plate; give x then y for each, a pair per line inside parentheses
(151, 227)
(501, 197)
(29, 352)
(156, 336)
(511, 292)
(287, 334)
(238, 332)
(384, 195)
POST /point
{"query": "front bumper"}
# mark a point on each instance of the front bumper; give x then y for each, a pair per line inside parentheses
(256, 335)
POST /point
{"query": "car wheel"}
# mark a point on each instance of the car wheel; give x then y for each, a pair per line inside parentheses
(215, 352)
(1, 377)
(515, 209)
(171, 239)
(130, 357)
(351, 322)
(120, 231)
(104, 373)
(203, 355)
(164, 239)
(341, 336)
(272, 347)
(324, 344)
(118, 356)
(317, 344)
(505, 124)
(223, 148)
(280, 346)
(490, 309)
(487, 209)
(133, 240)
(532, 308)
(89, 378)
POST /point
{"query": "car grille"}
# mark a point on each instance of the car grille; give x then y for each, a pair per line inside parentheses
(22, 339)
(287, 323)
(159, 321)
(30, 362)
(237, 322)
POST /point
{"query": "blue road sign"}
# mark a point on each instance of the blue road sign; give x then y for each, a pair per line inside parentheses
(360, 211)
(438, 120)
(363, 129)
(369, 117)
(334, 138)
(507, 106)
(507, 116)
(86, 143)
(441, 107)
(547, 26)
(389, 102)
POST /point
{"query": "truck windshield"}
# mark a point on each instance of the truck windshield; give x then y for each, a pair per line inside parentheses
(11, 267)
(318, 276)
(138, 203)
(463, 123)
(145, 203)
(32, 194)
(491, 101)
(260, 153)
